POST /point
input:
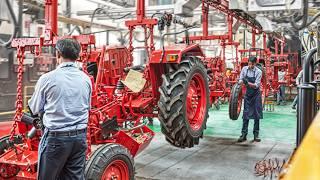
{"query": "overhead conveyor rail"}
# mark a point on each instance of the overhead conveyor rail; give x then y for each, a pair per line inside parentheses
(232, 16)
(223, 6)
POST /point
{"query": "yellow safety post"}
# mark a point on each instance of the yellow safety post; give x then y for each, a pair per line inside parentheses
(305, 163)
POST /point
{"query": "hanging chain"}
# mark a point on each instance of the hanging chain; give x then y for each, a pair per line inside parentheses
(131, 29)
(18, 104)
(151, 39)
(84, 59)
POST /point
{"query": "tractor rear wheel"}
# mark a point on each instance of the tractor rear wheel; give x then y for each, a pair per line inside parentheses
(235, 104)
(111, 161)
(184, 103)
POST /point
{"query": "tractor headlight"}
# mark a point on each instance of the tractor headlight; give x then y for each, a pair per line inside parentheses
(172, 57)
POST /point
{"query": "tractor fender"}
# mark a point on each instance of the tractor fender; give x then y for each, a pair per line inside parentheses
(174, 53)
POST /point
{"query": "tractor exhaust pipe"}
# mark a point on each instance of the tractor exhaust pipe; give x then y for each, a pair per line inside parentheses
(306, 98)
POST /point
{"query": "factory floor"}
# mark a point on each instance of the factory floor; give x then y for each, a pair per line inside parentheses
(219, 156)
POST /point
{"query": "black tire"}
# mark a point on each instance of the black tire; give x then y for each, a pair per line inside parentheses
(104, 156)
(235, 97)
(4, 143)
(172, 103)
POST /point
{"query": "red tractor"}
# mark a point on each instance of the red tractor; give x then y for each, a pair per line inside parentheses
(177, 85)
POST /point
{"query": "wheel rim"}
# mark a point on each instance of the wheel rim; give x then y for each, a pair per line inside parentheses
(196, 101)
(117, 170)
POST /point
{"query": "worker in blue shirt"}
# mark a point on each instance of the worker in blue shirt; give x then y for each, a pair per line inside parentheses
(250, 76)
(63, 96)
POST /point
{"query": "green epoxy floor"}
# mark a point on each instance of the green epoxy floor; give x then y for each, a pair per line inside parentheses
(219, 156)
(278, 125)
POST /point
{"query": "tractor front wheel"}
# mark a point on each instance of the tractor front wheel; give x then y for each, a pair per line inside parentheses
(111, 161)
(184, 103)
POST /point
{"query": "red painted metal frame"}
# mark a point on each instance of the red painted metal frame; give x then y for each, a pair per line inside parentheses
(108, 101)
(223, 6)
(271, 84)
(146, 24)
(217, 65)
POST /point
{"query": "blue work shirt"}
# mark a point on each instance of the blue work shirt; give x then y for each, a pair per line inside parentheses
(256, 72)
(64, 95)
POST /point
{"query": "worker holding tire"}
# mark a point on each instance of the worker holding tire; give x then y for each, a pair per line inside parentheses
(63, 96)
(251, 76)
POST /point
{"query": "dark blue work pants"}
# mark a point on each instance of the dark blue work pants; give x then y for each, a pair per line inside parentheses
(255, 127)
(62, 157)
(281, 94)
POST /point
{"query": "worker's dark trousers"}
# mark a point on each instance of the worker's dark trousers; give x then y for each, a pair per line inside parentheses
(281, 94)
(255, 127)
(62, 157)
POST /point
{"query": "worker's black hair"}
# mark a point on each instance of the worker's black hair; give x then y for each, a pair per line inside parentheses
(253, 59)
(68, 48)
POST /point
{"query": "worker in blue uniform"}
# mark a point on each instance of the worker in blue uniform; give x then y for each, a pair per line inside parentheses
(63, 96)
(250, 76)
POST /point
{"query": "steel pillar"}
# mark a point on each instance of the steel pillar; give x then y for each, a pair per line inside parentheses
(306, 98)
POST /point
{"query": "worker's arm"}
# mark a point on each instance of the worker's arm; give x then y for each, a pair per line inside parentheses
(37, 101)
(242, 74)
